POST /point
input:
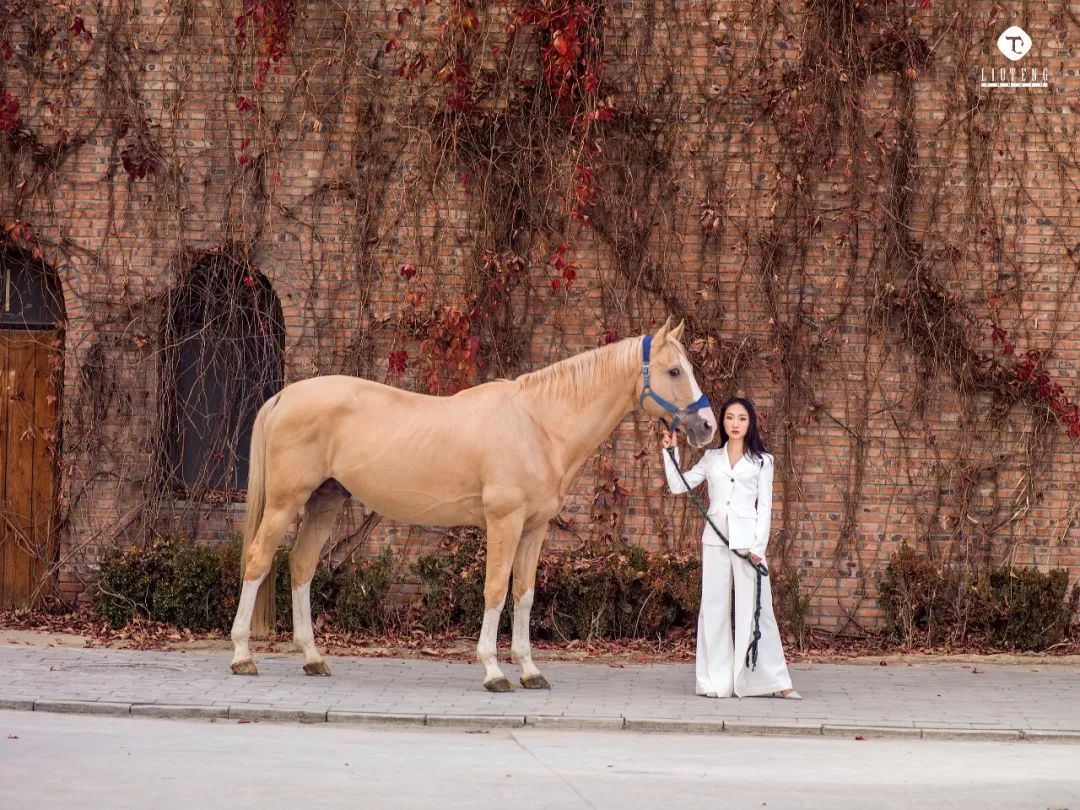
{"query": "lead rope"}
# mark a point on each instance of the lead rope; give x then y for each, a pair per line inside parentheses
(759, 568)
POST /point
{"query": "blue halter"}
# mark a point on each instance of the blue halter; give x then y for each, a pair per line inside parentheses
(679, 413)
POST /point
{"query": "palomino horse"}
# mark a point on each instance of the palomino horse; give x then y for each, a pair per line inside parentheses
(501, 456)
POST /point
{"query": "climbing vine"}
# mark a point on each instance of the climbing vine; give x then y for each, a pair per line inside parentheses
(443, 193)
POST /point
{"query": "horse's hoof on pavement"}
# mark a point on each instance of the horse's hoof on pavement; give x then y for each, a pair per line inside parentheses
(244, 667)
(535, 682)
(499, 685)
(317, 668)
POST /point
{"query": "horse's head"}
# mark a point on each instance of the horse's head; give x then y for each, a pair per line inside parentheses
(668, 389)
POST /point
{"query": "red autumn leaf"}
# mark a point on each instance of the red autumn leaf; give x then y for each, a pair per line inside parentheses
(555, 284)
(562, 45)
(407, 270)
(391, 46)
(245, 159)
(138, 160)
(242, 104)
(5, 52)
(403, 15)
(398, 362)
(78, 28)
(600, 114)
(569, 274)
(249, 280)
(9, 112)
(609, 336)
(410, 68)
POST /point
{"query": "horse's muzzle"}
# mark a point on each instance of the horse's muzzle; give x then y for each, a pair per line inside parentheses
(700, 427)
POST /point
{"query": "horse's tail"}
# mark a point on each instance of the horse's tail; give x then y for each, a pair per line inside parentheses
(256, 488)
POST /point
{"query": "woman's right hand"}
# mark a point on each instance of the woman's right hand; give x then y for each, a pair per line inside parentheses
(669, 440)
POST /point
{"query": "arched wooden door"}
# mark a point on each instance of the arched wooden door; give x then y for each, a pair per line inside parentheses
(30, 356)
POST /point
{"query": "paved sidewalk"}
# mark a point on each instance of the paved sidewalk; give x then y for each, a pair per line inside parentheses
(931, 700)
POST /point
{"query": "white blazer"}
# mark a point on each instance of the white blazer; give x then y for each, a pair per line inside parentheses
(742, 493)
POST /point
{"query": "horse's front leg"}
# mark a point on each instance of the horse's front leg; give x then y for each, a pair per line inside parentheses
(528, 553)
(503, 536)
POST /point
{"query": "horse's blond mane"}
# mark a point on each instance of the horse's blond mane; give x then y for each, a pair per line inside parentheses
(576, 377)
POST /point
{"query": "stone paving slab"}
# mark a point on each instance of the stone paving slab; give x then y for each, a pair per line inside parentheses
(927, 700)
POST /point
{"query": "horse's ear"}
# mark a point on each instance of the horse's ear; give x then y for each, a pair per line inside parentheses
(662, 332)
(677, 332)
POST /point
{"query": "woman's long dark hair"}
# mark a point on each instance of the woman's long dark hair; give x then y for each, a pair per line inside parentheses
(755, 447)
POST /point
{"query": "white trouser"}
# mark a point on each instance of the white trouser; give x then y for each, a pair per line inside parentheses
(721, 658)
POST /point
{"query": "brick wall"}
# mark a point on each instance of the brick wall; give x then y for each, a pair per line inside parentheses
(774, 177)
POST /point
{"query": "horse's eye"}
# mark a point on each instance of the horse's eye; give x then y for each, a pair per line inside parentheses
(674, 372)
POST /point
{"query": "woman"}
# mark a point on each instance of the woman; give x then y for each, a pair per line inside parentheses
(740, 476)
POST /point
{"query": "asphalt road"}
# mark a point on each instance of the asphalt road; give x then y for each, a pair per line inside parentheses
(78, 761)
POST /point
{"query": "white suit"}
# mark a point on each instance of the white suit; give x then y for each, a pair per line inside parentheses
(740, 504)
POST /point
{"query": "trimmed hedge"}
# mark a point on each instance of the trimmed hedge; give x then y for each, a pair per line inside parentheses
(170, 581)
(1014, 608)
(596, 591)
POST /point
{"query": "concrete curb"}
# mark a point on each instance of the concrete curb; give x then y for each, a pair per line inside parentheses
(781, 729)
(610, 723)
(473, 721)
(277, 714)
(285, 714)
(871, 732)
(179, 712)
(81, 707)
(989, 734)
(375, 718)
(681, 726)
(1050, 736)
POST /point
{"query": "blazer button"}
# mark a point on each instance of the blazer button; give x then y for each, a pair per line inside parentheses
(733, 480)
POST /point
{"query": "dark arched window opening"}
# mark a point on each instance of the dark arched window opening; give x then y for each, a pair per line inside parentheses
(224, 341)
(30, 297)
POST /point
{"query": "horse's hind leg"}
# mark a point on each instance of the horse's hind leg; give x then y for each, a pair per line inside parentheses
(321, 511)
(257, 559)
